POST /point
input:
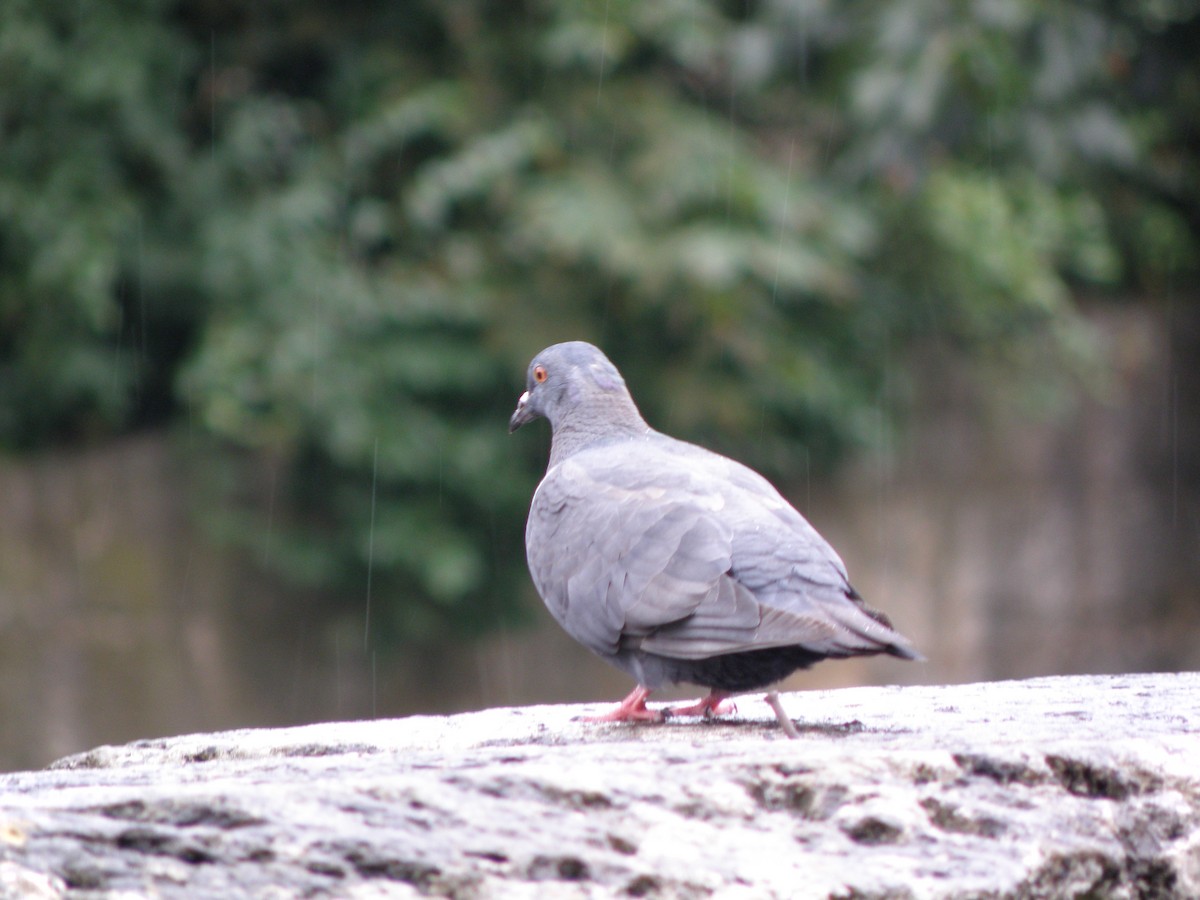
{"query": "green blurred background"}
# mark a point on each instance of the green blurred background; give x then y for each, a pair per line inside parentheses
(270, 275)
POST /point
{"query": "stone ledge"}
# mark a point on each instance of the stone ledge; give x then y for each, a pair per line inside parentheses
(1083, 785)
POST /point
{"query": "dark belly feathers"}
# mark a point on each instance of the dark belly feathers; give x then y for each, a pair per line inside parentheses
(748, 670)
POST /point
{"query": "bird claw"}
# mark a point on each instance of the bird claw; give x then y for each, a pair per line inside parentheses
(724, 708)
(709, 707)
(632, 709)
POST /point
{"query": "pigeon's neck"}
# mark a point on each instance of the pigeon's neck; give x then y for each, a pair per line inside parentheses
(605, 417)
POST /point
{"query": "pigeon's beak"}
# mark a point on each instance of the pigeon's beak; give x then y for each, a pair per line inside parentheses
(522, 415)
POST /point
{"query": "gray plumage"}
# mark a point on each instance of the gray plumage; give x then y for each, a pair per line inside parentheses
(670, 561)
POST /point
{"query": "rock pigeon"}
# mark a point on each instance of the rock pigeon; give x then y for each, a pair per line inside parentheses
(672, 562)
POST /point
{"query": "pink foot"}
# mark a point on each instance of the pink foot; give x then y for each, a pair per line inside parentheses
(715, 704)
(632, 709)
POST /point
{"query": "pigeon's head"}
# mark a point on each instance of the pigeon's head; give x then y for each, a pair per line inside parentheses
(566, 377)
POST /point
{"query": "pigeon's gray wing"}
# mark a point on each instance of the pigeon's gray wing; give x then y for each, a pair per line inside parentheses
(687, 555)
(616, 553)
(798, 583)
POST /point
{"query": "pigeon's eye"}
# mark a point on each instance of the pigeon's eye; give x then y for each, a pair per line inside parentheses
(539, 374)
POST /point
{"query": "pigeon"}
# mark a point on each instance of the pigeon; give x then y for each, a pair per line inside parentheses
(674, 563)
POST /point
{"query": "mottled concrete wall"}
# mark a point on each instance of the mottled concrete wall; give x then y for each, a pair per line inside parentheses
(111, 614)
(1070, 542)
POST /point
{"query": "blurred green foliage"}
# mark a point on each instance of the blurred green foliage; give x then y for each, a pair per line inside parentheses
(334, 233)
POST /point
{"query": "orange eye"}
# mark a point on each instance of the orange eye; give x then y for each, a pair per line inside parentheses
(539, 374)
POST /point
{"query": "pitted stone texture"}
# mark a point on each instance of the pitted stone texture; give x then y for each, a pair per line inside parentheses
(1044, 788)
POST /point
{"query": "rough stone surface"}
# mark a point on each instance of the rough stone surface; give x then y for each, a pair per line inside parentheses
(1053, 787)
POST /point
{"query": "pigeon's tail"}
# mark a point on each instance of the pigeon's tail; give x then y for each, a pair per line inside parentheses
(901, 647)
(905, 651)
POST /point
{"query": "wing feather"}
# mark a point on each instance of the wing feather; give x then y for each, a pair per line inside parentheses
(615, 559)
(665, 548)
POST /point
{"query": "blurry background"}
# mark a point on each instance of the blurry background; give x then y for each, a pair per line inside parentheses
(270, 275)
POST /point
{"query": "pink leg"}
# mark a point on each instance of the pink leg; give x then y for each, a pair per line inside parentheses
(715, 704)
(632, 709)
